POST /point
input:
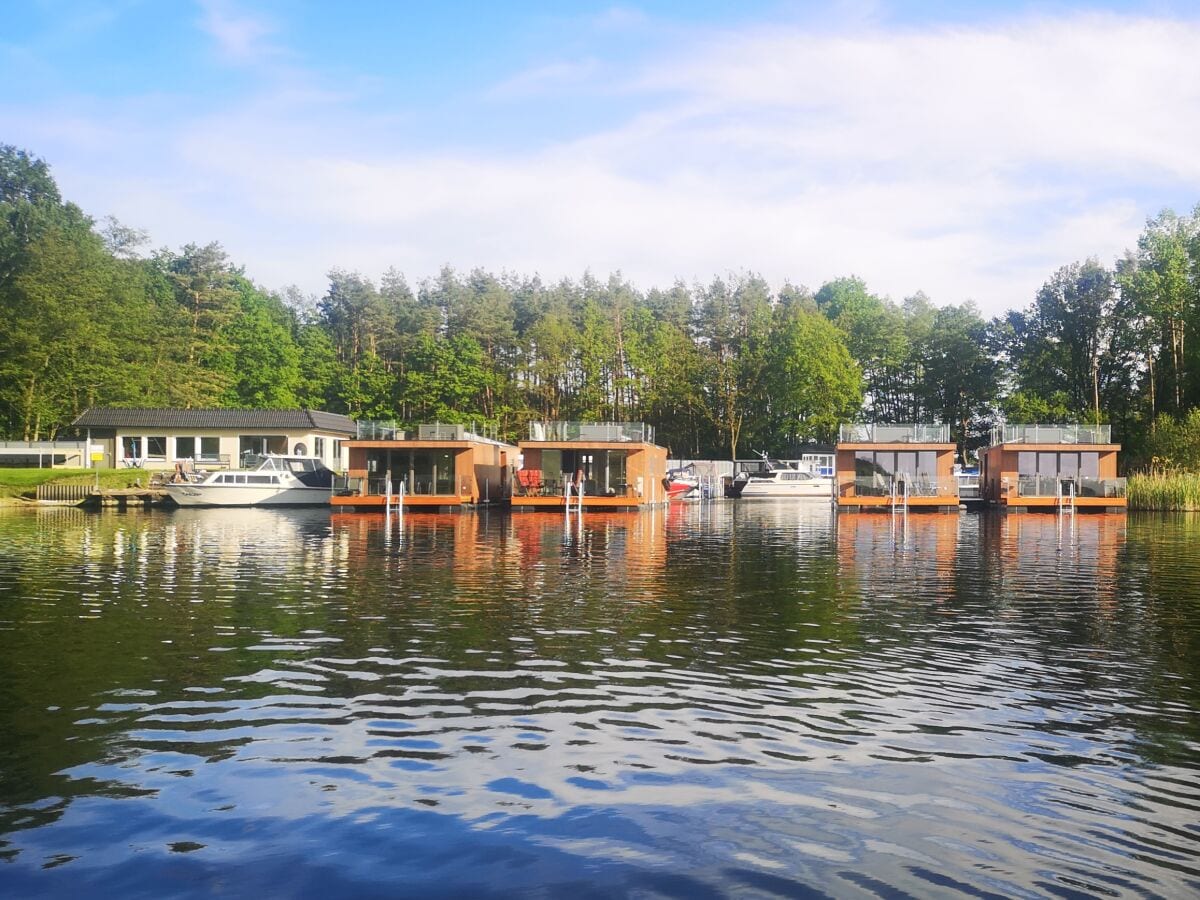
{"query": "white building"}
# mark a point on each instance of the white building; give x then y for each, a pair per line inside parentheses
(210, 438)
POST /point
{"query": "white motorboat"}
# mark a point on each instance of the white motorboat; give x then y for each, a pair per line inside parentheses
(774, 478)
(266, 481)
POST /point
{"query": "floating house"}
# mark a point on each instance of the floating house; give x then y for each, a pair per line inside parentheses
(617, 464)
(1052, 467)
(433, 466)
(888, 467)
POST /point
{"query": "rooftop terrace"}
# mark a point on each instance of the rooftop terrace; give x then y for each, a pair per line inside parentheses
(593, 432)
(903, 433)
(1051, 434)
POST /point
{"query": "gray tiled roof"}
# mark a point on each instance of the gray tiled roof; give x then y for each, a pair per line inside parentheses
(286, 419)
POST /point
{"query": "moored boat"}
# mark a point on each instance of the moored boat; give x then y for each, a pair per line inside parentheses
(683, 483)
(265, 481)
(775, 478)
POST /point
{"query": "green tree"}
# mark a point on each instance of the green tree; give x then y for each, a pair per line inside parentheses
(815, 384)
(961, 383)
(1060, 350)
(261, 357)
(1159, 285)
(732, 326)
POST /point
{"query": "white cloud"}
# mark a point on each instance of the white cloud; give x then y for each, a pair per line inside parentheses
(240, 37)
(968, 162)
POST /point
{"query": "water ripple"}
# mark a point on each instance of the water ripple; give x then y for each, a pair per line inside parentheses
(742, 698)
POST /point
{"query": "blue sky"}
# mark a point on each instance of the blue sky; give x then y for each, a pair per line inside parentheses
(962, 149)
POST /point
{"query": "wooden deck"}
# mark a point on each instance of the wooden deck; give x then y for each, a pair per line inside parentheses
(123, 497)
(1050, 504)
(411, 501)
(589, 502)
(933, 503)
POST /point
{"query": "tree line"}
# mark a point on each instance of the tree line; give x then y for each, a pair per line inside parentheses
(89, 318)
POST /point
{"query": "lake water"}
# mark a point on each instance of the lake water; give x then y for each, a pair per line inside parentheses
(735, 699)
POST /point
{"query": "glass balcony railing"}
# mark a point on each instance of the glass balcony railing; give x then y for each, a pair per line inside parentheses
(1101, 487)
(887, 485)
(1052, 434)
(894, 434)
(379, 431)
(1053, 486)
(597, 432)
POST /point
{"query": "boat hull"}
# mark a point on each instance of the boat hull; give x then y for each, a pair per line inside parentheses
(246, 495)
(774, 489)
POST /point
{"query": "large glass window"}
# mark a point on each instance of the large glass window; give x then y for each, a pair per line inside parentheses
(210, 448)
(1068, 465)
(552, 466)
(156, 447)
(260, 444)
(1089, 465)
(1026, 463)
(927, 464)
(886, 463)
(443, 462)
(864, 463)
(617, 477)
(421, 472)
(131, 447)
(185, 447)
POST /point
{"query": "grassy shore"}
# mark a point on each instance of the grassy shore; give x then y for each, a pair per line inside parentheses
(1176, 491)
(22, 484)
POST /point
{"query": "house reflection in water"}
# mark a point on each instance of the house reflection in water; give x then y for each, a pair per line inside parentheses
(917, 552)
(1030, 555)
(620, 549)
(488, 555)
(468, 549)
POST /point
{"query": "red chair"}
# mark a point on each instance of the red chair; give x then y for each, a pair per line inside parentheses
(529, 481)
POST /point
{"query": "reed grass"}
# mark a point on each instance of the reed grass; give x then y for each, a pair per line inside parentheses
(1164, 491)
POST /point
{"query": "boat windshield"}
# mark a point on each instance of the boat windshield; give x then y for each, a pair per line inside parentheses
(280, 464)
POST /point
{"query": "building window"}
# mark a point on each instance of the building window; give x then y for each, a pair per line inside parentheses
(131, 447)
(319, 447)
(262, 444)
(156, 447)
(185, 448)
(210, 449)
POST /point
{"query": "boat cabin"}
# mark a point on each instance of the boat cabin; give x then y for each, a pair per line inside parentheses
(905, 466)
(432, 466)
(617, 464)
(1050, 467)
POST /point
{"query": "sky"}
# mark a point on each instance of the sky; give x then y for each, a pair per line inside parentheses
(966, 150)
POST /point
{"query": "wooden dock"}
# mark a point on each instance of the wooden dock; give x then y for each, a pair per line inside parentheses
(85, 494)
(123, 497)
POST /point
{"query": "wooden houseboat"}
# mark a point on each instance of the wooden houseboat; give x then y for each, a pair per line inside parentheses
(433, 466)
(617, 464)
(1052, 467)
(889, 467)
